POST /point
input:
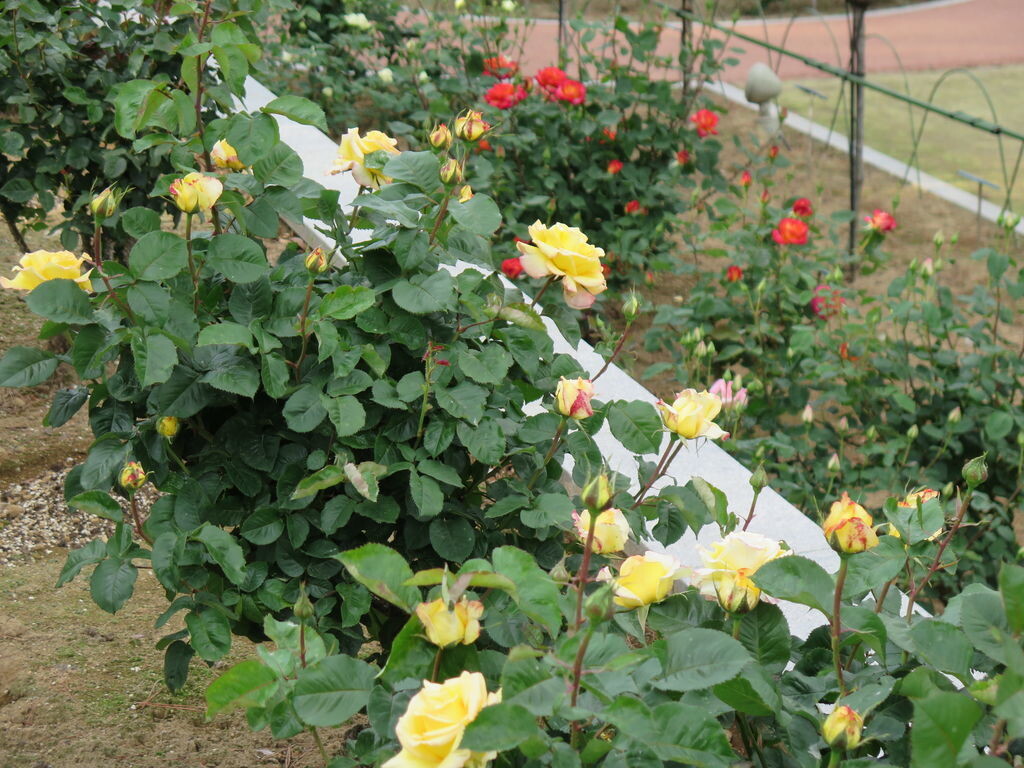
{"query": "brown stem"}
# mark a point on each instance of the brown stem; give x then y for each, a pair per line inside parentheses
(615, 354)
(837, 623)
(13, 227)
(750, 514)
(303, 319)
(666, 459)
(584, 573)
(543, 288)
(440, 216)
(137, 520)
(937, 560)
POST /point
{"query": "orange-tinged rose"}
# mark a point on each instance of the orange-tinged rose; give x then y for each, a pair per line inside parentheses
(572, 398)
(196, 192)
(728, 566)
(691, 415)
(132, 477)
(563, 251)
(450, 626)
(848, 527)
(39, 266)
(431, 729)
(643, 579)
(352, 154)
(611, 530)
(224, 155)
(842, 728)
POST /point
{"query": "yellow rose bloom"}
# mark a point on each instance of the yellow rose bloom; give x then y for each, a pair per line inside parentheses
(352, 154)
(643, 579)
(435, 720)
(611, 531)
(448, 626)
(39, 266)
(225, 156)
(196, 192)
(728, 566)
(168, 426)
(842, 728)
(691, 415)
(848, 527)
(572, 398)
(563, 251)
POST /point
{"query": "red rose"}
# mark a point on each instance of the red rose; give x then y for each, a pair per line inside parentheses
(746, 179)
(773, 152)
(765, 197)
(572, 91)
(802, 207)
(790, 232)
(683, 157)
(880, 221)
(549, 78)
(505, 95)
(483, 146)
(706, 122)
(500, 67)
(615, 166)
(512, 267)
(733, 274)
(633, 206)
(609, 133)
(826, 302)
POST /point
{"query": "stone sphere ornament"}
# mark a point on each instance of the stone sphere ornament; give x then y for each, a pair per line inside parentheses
(763, 84)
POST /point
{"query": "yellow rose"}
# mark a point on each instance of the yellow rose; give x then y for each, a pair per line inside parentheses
(563, 251)
(196, 192)
(465, 193)
(691, 415)
(842, 728)
(168, 426)
(317, 261)
(611, 530)
(728, 566)
(441, 137)
(848, 527)
(448, 626)
(352, 154)
(433, 724)
(104, 205)
(572, 398)
(132, 476)
(39, 266)
(643, 579)
(224, 155)
(911, 502)
(471, 126)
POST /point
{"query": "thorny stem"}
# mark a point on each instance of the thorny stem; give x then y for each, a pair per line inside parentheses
(671, 451)
(837, 622)
(137, 519)
(937, 560)
(543, 288)
(97, 259)
(555, 441)
(615, 354)
(753, 503)
(440, 216)
(191, 262)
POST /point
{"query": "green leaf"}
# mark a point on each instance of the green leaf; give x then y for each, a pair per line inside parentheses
(426, 495)
(522, 315)
(549, 509)
(764, 632)
(327, 477)
(106, 457)
(303, 410)
(182, 395)
(753, 692)
(209, 633)
(798, 580)
(419, 168)
(636, 425)
(61, 301)
(150, 302)
(280, 166)
(140, 221)
(464, 401)
(155, 357)
(298, 109)
(997, 426)
(112, 583)
(225, 333)
(487, 366)
(158, 256)
(177, 658)
(485, 442)
(536, 592)
(499, 727)
(425, 294)
(66, 403)
(264, 526)
(874, 567)
(346, 413)
(334, 689)
(1011, 587)
(26, 367)
(700, 658)
(382, 571)
(224, 549)
(99, 503)
(983, 619)
(451, 537)
(479, 214)
(248, 684)
(77, 559)
(943, 646)
(346, 301)
(941, 725)
(240, 259)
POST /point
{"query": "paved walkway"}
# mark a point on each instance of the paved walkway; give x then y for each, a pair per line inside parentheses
(941, 35)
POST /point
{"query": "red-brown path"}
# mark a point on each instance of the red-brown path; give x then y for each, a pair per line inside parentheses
(938, 35)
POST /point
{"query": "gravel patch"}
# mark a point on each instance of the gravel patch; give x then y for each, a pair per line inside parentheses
(36, 521)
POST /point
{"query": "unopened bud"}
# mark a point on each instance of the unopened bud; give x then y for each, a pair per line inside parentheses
(955, 416)
(1011, 221)
(451, 171)
(631, 307)
(560, 573)
(1020, 439)
(168, 426)
(441, 136)
(712, 349)
(597, 494)
(871, 434)
(790, 353)
(317, 262)
(842, 728)
(938, 239)
(760, 452)
(600, 606)
(303, 608)
(833, 464)
(759, 479)
(327, 92)
(975, 471)
(955, 238)
(948, 489)
(913, 432)
(132, 477)
(807, 414)
(928, 267)
(104, 205)
(471, 126)
(843, 425)
(701, 349)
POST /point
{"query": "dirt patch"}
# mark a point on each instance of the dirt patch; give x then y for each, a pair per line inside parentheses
(79, 687)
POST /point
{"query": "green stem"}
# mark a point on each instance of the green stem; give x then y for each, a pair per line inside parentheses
(837, 623)
(192, 262)
(835, 758)
(937, 560)
(555, 441)
(320, 745)
(303, 319)
(437, 665)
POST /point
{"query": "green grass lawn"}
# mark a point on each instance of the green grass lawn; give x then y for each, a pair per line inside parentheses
(945, 146)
